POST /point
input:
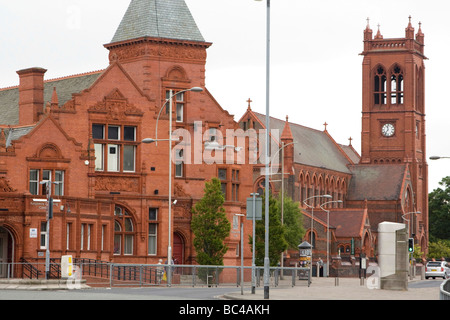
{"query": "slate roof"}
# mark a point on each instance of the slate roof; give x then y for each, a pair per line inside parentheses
(376, 182)
(65, 87)
(169, 19)
(348, 222)
(12, 134)
(313, 147)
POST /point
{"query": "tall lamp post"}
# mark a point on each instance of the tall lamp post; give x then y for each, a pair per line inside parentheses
(266, 251)
(327, 196)
(240, 215)
(328, 232)
(48, 187)
(150, 140)
(283, 145)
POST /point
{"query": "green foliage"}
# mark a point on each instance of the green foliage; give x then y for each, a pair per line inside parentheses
(439, 249)
(439, 211)
(293, 222)
(210, 225)
(418, 253)
(439, 220)
(281, 236)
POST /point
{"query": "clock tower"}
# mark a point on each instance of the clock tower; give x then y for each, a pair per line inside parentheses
(393, 108)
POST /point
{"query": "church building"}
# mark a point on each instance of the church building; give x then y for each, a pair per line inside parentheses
(347, 193)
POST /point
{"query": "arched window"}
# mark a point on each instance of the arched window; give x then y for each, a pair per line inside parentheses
(380, 86)
(261, 186)
(124, 232)
(313, 240)
(397, 85)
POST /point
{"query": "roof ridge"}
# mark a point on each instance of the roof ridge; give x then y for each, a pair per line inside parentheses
(75, 75)
(9, 88)
(290, 122)
(60, 78)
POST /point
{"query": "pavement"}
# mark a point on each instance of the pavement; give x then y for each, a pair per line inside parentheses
(319, 289)
(345, 289)
(37, 284)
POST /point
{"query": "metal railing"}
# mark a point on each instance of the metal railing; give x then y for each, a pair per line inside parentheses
(444, 293)
(101, 273)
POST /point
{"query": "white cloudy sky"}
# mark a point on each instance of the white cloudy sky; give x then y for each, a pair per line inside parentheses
(315, 65)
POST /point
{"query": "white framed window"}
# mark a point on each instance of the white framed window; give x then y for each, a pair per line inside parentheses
(178, 103)
(124, 232)
(113, 158)
(44, 235)
(59, 186)
(34, 182)
(102, 243)
(82, 236)
(37, 175)
(89, 230)
(99, 157)
(115, 147)
(179, 163)
(68, 227)
(152, 231)
(152, 238)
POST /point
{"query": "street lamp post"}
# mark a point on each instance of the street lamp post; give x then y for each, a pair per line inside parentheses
(48, 187)
(328, 232)
(312, 221)
(240, 215)
(283, 145)
(266, 211)
(149, 140)
(254, 195)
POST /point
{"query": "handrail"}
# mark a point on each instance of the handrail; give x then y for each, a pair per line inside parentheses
(445, 290)
(30, 268)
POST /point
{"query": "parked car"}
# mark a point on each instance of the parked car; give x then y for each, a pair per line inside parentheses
(437, 269)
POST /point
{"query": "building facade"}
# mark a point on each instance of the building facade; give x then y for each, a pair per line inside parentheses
(387, 182)
(113, 199)
(83, 133)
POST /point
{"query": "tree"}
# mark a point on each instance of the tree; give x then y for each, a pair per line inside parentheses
(277, 234)
(439, 211)
(210, 225)
(439, 249)
(293, 222)
(281, 236)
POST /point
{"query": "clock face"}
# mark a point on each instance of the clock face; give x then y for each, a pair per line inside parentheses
(388, 130)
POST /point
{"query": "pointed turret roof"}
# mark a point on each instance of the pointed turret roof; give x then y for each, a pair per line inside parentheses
(170, 19)
(287, 133)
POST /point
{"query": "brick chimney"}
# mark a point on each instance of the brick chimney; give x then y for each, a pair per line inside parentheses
(31, 94)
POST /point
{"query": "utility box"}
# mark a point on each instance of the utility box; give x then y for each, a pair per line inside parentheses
(393, 255)
(66, 267)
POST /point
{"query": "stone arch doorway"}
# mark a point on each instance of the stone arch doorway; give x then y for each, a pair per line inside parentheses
(6, 252)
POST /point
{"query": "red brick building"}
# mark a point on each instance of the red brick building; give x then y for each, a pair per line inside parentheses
(84, 132)
(388, 181)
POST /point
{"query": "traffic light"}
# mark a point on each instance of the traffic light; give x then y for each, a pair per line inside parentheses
(411, 245)
(50, 208)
